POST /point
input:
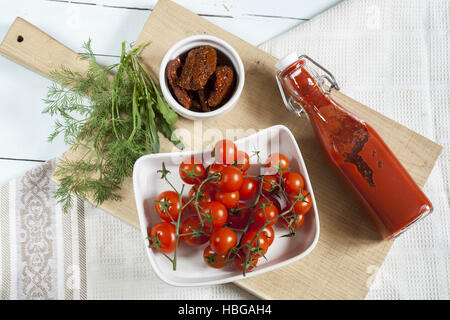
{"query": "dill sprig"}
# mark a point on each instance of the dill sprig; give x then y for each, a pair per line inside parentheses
(111, 115)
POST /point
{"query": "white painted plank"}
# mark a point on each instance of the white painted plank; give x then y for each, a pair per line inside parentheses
(73, 24)
(10, 169)
(292, 9)
(23, 127)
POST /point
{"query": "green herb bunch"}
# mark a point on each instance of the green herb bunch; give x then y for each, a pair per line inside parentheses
(111, 115)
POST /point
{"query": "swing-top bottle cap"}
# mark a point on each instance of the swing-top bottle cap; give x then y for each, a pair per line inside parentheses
(286, 61)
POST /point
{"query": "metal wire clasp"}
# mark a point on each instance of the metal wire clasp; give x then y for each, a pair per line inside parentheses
(293, 105)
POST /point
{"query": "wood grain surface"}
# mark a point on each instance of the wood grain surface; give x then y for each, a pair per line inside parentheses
(349, 249)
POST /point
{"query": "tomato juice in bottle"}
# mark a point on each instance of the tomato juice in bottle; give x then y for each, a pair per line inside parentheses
(358, 155)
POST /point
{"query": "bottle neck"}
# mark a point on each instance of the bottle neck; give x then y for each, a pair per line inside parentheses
(305, 89)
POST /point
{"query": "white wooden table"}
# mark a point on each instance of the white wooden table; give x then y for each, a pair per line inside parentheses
(24, 129)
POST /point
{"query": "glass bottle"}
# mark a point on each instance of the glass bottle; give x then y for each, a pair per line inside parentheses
(358, 155)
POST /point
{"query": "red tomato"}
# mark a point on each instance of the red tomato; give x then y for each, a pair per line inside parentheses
(302, 206)
(243, 160)
(222, 240)
(275, 162)
(239, 262)
(215, 169)
(267, 231)
(231, 179)
(193, 225)
(294, 222)
(213, 259)
(165, 234)
(191, 171)
(214, 213)
(248, 188)
(269, 184)
(225, 152)
(293, 183)
(204, 196)
(238, 216)
(261, 216)
(258, 245)
(167, 205)
(228, 199)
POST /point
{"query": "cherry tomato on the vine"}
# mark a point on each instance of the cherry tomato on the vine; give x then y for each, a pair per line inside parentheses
(222, 240)
(269, 184)
(231, 179)
(214, 214)
(167, 205)
(267, 231)
(225, 152)
(228, 199)
(239, 262)
(192, 231)
(264, 212)
(243, 160)
(213, 259)
(205, 195)
(293, 222)
(163, 233)
(293, 183)
(215, 169)
(191, 171)
(302, 206)
(258, 244)
(275, 162)
(248, 188)
(238, 216)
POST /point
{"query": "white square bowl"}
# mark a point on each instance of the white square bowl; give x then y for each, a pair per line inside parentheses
(191, 269)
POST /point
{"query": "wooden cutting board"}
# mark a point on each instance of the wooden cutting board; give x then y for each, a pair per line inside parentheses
(349, 251)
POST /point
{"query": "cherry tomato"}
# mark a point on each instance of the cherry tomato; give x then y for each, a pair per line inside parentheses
(193, 225)
(191, 171)
(225, 152)
(215, 169)
(293, 222)
(228, 199)
(239, 262)
(222, 240)
(215, 214)
(231, 179)
(204, 196)
(243, 160)
(238, 216)
(293, 183)
(269, 184)
(213, 259)
(262, 215)
(275, 162)
(302, 206)
(165, 234)
(167, 205)
(248, 188)
(258, 247)
(267, 231)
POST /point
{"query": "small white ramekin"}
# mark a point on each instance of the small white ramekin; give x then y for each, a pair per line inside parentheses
(187, 44)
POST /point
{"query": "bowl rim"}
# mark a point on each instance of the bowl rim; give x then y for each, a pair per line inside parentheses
(229, 51)
(256, 272)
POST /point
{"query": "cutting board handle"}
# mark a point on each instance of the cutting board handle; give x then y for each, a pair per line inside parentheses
(29, 46)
